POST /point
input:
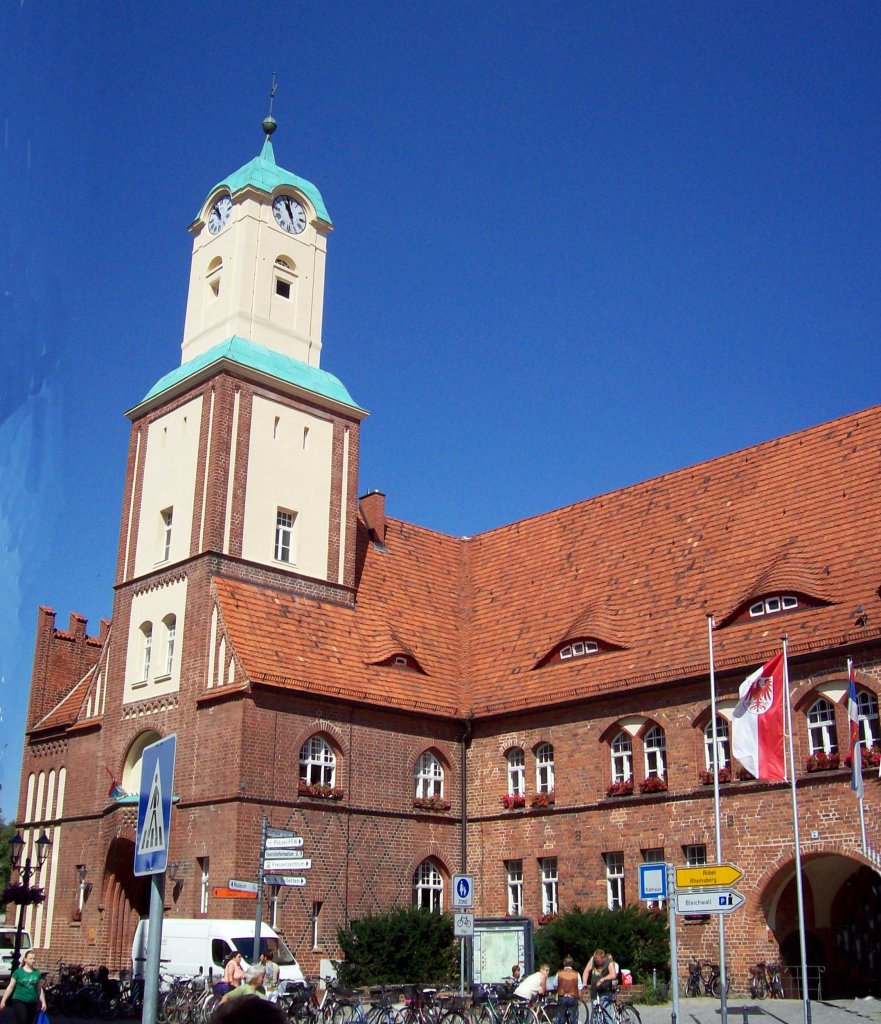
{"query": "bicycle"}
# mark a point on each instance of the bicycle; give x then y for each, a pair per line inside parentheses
(712, 985)
(614, 1010)
(494, 1004)
(425, 1006)
(774, 982)
(757, 987)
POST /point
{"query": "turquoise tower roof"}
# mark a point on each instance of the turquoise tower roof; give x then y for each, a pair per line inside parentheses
(264, 360)
(264, 174)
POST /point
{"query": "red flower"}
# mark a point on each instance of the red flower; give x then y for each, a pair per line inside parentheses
(431, 803)
(622, 788)
(321, 792)
(653, 784)
(543, 799)
(513, 800)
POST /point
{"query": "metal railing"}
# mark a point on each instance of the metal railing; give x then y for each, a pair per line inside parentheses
(791, 979)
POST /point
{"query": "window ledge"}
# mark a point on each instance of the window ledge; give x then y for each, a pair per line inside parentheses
(164, 678)
(140, 683)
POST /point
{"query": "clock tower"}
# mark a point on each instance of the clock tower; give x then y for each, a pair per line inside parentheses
(259, 250)
(243, 460)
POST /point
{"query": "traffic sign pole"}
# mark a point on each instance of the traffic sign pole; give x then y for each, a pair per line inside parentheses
(258, 914)
(674, 947)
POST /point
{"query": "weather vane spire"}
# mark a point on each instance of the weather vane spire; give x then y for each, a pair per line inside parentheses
(269, 122)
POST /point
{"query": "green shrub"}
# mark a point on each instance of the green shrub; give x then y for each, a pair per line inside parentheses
(403, 945)
(638, 939)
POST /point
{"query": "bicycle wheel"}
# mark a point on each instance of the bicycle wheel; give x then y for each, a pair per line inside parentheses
(520, 1013)
(692, 987)
(628, 1014)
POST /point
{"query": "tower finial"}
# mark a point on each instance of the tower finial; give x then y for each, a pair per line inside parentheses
(269, 122)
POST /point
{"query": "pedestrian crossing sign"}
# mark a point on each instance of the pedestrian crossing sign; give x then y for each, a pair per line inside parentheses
(154, 807)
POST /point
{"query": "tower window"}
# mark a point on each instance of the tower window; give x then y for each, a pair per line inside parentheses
(284, 535)
(213, 275)
(282, 288)
(167, 515)
(146, 650)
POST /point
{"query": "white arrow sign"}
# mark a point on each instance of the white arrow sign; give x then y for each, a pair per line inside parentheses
(709, 901)
(284, 842)
(294, 880)
(287, 864)
(240, 886)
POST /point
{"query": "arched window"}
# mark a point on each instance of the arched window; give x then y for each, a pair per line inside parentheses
(213, 275)
(867, 710)
(428, 887)
(655, 746)
(146, 649)
(429, 777)
(723, 744)
(516, 772)
(622, 758)
(131, 770)
(544, 768)
(170, 623)
(822, 735)
(317, 762)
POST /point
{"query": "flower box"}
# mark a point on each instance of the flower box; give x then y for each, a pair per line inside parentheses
(823, 762)
(513, 801)
(543, 799)
(319, 792)
(431, 803)
(653, 784)
(622, 788)
(745, 775)
(706, 777)
(871, 758)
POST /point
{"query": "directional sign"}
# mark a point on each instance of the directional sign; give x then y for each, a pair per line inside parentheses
(709, 901)
(709, 876)
(154, 806)
(287, 864)
(280, 833)
(463, 892)
(222, 892)
(652, 881)
(240, 886)
(283, 842)
(463, 925)
(294, 880)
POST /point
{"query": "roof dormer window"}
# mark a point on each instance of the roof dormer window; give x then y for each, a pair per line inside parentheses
(578, 649)
(775, 603)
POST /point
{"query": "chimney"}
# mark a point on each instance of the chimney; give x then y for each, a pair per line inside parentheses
(373, 511)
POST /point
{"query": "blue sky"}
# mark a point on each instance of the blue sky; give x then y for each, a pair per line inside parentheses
(576, 245)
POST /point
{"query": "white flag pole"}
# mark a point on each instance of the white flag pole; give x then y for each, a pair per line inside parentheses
(806, 1001)
(718, 810)
(856, 755)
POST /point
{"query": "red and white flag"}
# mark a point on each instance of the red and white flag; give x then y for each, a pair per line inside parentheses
(853, 714)
(757, 734)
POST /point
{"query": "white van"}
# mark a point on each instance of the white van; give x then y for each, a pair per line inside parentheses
(195, 946)
(7, 948)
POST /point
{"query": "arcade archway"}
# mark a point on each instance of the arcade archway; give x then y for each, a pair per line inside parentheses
(842, 922)
(126, 901)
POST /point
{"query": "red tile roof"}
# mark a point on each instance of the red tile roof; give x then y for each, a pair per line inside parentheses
(639, 568)
(67, 710)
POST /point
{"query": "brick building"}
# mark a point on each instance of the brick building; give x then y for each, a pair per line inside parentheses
(530, 705)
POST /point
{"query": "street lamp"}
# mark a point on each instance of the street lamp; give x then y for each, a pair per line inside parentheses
(42, 845)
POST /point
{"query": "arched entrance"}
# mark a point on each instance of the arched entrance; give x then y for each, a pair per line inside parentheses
(842, 922)
(126, 901)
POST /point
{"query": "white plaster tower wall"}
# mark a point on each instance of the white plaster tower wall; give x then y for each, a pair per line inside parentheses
(169, 483)
(290, 463)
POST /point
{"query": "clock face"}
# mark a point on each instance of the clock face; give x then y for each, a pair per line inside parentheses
(289, 214)
(219, 214)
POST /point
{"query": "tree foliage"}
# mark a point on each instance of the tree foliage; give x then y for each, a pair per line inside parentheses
(638, 939)
(7, 831)
(403, 945)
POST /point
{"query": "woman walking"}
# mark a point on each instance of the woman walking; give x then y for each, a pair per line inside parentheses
(25, 991)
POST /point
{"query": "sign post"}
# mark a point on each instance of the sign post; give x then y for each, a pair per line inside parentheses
(151, 853)
(463, 899)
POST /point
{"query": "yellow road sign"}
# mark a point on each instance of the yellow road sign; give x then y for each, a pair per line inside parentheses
(707, 875)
